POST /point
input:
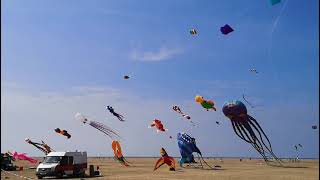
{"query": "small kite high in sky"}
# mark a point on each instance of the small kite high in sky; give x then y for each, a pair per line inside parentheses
(119, 116)
(193, 32)
(165, 159)
(253, 71)
(207, 104)
(314, 127)
(226, 29)
(41, 146)
(101, 127)
(118, 153)
(126, 77)
(274, 2)
(63, 132)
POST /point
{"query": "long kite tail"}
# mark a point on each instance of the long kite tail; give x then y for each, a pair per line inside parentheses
(183, 114)
(105, 129)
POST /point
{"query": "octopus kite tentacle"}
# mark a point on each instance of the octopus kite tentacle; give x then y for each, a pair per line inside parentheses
(255, 122)
(251, 138)
(265, 136)
(239, 134)
(270, 150)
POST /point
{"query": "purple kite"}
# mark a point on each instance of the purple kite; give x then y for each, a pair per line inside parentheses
(226, 29)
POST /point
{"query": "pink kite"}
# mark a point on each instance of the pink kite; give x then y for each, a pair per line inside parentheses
(23, 156)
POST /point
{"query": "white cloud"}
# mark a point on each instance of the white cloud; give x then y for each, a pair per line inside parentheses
(163, 53)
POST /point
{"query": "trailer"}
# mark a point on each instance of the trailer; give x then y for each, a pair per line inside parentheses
(59, 164)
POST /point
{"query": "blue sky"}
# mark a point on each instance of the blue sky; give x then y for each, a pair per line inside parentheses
(62, 57)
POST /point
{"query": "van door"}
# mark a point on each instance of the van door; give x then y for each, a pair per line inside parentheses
(66, 166)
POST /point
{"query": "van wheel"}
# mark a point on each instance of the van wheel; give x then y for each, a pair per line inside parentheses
(39, 177)
(60, 175)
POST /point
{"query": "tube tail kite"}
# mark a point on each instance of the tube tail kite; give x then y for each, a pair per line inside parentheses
(118, 153)
(101, 127)
(165, 159)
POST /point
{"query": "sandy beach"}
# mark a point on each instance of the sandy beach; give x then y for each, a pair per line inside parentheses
(254, 169)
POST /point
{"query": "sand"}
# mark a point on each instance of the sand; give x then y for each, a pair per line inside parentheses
(231, 169)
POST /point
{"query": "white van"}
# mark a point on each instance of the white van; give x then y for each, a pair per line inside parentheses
(63, 163)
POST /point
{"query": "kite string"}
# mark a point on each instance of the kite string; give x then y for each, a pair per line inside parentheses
(275, 23)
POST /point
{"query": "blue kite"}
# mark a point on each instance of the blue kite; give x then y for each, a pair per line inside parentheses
(187, 146)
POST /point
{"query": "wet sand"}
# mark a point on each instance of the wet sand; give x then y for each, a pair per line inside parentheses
(231, 169)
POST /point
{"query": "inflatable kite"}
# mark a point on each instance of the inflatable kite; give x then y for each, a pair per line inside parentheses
(187, 146)
(119, 116)
(118, 153)
(246, 127)
(193, 32)
(207, 104)
(41, 146)
(158, 125)
(101, 127)
(23, 156)
(63, 132)
(226, 29)
(165, 159)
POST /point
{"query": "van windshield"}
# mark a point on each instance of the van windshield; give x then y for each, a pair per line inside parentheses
(52, 159)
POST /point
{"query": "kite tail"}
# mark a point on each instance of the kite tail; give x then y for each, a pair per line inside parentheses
(105, 129)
